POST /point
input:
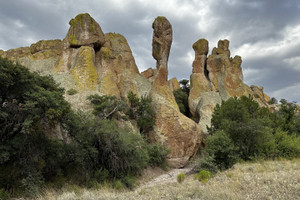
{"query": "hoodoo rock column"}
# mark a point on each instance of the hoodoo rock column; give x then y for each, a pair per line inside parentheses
(177, 132)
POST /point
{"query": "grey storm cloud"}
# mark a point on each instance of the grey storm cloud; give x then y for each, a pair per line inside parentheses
(265, 33)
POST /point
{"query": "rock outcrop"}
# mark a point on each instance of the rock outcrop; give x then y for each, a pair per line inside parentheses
(96, 63)
(173, 84)
(177, 132)
(216, 78)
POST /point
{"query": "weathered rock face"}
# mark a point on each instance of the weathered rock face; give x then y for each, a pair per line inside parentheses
(149, 73)
(162, 41)
(84, 31)
(84, 70)
(96, 63)
(172, 128)
(216, 78)
(173, 84)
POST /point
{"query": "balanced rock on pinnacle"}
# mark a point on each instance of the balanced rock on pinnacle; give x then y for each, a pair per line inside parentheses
(162, 41)
(174, 130)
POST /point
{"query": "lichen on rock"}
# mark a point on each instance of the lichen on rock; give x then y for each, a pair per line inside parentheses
(84, 71)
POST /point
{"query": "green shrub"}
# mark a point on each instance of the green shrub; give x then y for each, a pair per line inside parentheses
(182, 101)
(72, 91)
(288, 146)
(101, 175)
(4, 194)
(248, 126)
(157, 154)
(180, 177)
(33, 104)
(118, 185)
(107, 107)
(129, 181)
(141, 110)
(208, 163)
(222, 148)
(202, 176)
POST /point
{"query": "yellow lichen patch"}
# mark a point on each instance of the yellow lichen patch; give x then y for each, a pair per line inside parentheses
(108, 84)
(14, 54)
(84, 71)
(73, 40)
(105, 52)
(43, 45)
(79, 18)
(201, 47)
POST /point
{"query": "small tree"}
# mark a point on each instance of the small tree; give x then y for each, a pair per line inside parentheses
(141, 110)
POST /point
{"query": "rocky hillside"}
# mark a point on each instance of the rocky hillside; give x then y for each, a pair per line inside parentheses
(91, 62)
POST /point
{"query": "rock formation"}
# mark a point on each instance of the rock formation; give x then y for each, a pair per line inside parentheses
(96, 63)
(216, 78)
(172, 128)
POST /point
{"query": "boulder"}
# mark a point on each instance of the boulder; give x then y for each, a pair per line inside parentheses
(260, 96)
(149, 73)
(162, 41)
(84, 31)
(174, 84)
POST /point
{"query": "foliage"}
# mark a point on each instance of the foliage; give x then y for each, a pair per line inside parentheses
(202, 176)
(72, 91)
(221, 147)
(180, 177)
(157, 154)
(141, 110)
(31, 105)
(288, 146)
(181, 96)
(32, 154)
(243, 130)
(287, 118)
(182, 101)
(273, 100)
(185, 86)
(208, 163)
(107, 107)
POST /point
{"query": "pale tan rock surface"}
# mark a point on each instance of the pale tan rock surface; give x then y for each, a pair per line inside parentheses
(174, 130)
(174, 84)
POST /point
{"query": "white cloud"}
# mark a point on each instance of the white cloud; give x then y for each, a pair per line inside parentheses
(269, 48)
(290, 93)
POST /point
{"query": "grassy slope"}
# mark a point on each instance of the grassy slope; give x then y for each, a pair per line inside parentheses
(262, 180)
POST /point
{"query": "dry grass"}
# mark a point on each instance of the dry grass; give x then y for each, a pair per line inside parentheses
(262, 180)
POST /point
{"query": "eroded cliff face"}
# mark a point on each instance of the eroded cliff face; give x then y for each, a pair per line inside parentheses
(96, 63)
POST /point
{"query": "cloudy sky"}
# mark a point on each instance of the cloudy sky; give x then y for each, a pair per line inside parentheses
(266, 33)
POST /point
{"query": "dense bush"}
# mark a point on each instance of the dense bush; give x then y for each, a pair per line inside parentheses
(30, 105)
(181, 96)
(95, 150)
(140, 110)
(241, 130)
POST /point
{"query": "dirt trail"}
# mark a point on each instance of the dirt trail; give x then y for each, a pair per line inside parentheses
(168, 177)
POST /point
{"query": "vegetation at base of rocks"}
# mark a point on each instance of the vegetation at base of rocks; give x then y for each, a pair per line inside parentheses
(272, 101)
(180, 177)
(259, 180)
(181, 96)
(203, 176)
(88, 151)
(241, 130)
(140, 110)
(72, 91)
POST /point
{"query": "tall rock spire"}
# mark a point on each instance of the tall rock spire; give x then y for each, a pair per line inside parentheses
(177, 132)
(162, 41)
